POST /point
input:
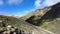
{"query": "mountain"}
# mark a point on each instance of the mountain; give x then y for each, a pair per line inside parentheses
(51, 19)
(20, 24)
(47, 18)
(35, 15)
(38, 12)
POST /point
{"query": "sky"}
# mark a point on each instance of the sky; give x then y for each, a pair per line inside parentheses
(23, 7)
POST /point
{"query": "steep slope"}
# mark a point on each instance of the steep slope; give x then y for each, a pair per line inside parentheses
(38, 12)
(33, 17)
(50, 20)
(16, 22)
(22, 25)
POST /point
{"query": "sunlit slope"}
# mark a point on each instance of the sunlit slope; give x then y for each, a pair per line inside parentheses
(20, 24)
(34, 16)
(50, 20)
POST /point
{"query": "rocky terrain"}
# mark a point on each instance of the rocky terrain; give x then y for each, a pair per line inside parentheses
(9, 23)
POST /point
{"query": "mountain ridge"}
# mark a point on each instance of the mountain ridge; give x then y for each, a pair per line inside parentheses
(49, 20)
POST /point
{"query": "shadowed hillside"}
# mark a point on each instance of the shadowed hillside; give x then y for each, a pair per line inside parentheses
(46, 14)
(33, 17)
(51, 14)
(50, 20)
(38, 13)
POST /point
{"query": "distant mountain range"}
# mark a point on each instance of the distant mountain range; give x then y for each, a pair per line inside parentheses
(48, 18)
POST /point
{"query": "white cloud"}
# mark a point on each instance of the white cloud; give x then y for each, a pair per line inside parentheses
(1, 2)
(50, 2)
(14, 1)
(37, 3)
(45, 3)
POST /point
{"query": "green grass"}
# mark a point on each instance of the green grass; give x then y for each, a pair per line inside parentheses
(15, 22)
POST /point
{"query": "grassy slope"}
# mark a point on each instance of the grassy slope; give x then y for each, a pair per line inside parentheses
(50, 20)
(18, 23)
(33, 17)
(35, 13)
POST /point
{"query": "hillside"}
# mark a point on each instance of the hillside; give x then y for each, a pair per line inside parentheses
(22, 25)
(50, 19)
(35, 15)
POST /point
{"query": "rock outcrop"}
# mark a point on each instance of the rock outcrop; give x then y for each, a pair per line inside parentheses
(9, 29)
